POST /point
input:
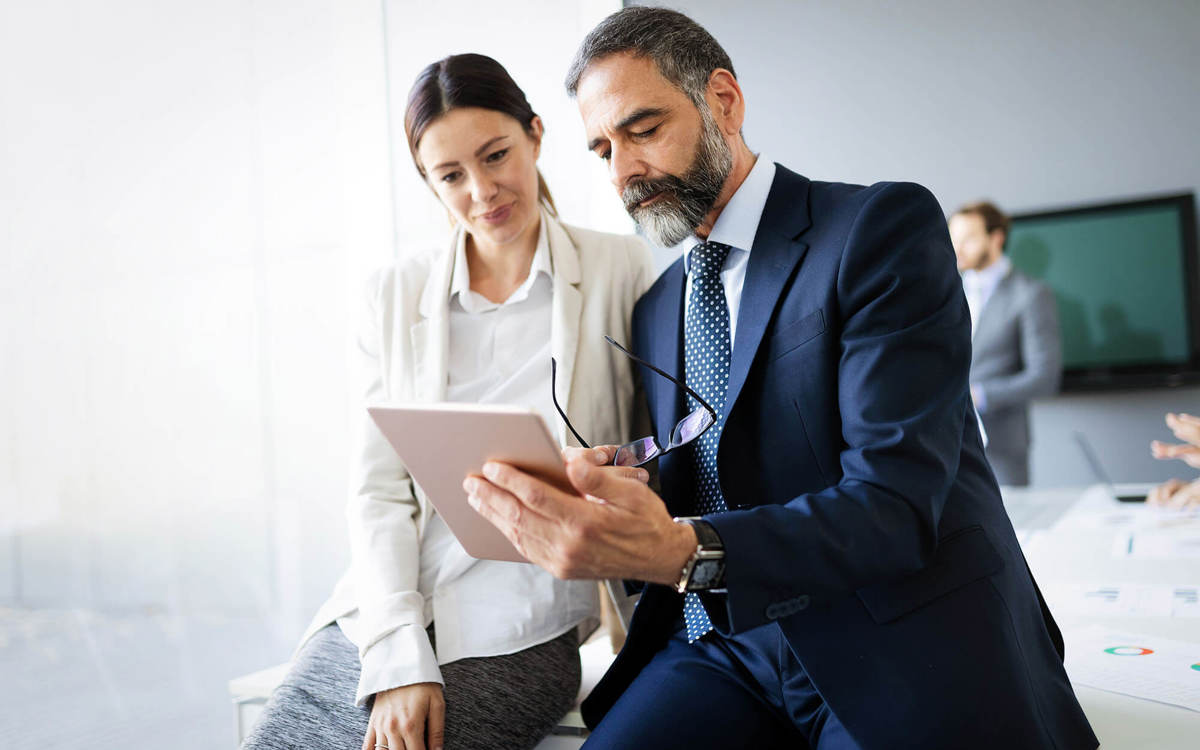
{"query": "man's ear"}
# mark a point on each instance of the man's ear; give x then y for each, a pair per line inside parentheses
(725, 101)
(997, 238)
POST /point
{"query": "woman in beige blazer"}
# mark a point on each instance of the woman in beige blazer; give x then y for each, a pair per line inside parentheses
(422, 646)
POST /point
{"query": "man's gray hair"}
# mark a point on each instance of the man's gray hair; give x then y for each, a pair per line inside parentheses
(686, 54)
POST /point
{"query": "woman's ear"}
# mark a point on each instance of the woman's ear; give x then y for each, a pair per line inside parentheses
(535, 133)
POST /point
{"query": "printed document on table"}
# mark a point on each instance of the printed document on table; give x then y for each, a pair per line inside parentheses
(1173, 544)
(1124, 599)
(1110, 515)
(1138, 665)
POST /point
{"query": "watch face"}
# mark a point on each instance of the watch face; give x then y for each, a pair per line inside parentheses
(705, 574)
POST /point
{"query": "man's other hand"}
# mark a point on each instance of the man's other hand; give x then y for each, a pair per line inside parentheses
(612, 526)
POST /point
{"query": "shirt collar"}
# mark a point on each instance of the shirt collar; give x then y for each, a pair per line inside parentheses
(989, 276)
(460, 281)
(738, 222)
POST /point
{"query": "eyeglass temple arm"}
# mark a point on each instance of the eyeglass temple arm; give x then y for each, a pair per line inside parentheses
(554, 398)
(673, 379)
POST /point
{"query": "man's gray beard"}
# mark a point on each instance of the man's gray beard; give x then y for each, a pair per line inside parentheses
(683, 201)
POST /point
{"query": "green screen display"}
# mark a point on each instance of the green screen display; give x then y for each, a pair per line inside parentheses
(1119, 278)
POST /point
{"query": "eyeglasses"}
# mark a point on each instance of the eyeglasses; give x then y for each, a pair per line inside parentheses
(648, 448)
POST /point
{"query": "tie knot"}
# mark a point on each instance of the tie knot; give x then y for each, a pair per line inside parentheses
(707, 258)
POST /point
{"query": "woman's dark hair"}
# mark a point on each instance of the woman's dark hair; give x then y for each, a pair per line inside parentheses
(468, 80)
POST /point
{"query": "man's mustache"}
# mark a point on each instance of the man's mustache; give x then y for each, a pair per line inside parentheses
(639, 191)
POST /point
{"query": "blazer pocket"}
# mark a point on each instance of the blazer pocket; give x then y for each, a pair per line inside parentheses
(794, 334)
(962, 557)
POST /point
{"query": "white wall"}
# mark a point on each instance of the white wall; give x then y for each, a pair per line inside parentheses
(1032, 104)
(192, 194)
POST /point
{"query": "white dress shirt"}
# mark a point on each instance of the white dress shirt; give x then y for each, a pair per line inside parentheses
(979, 285)
(736, 227)
(499, 353)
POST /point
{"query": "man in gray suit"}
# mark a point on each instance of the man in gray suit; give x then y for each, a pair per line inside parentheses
(1016, 355)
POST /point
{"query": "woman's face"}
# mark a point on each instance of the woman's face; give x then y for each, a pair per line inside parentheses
(483, 167)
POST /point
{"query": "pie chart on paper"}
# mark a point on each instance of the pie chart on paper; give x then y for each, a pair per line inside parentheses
(1108, 660)
(1128, 651)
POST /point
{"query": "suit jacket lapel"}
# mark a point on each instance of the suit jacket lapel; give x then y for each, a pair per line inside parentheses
(430, 336)
(776, 253)
(996, 301)
(567, 311)
(666, 350)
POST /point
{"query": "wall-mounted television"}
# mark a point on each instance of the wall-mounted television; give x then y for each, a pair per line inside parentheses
(1125, 278)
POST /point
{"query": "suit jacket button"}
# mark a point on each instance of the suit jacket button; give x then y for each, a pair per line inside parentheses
(773, 611)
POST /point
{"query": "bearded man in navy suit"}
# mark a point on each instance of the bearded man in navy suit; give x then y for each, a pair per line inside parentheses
(829, 564)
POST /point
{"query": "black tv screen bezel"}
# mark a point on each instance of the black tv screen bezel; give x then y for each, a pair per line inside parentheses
(1125, 377)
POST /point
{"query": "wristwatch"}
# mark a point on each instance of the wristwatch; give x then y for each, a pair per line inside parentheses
(705, 569)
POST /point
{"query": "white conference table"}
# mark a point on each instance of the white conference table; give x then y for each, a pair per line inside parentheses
(1082, 554)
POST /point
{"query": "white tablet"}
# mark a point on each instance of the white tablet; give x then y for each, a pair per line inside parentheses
(440, 444)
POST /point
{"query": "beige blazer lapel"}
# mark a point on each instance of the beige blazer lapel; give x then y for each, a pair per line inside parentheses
(566, 310)
(430, 335)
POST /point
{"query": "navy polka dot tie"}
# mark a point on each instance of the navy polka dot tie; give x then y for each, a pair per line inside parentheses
(706, 369)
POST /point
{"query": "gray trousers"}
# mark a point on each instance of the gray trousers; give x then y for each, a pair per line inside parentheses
(510, 701)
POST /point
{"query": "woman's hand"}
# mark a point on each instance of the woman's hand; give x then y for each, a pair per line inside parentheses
(1175, 494)
(1186, 428)
(1160, 494)
(412, 717)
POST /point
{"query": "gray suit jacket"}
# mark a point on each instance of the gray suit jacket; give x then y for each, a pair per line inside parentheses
(1016, 357)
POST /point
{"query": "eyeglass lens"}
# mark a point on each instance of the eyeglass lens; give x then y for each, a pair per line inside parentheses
(691, 427)
(637, 453)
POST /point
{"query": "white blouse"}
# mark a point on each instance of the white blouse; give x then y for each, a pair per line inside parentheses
(498, 353)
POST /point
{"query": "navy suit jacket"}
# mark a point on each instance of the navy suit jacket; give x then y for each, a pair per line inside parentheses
(864, 521)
